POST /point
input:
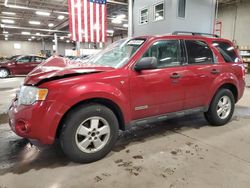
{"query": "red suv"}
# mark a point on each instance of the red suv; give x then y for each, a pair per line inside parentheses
(19, 65)
(133, 81)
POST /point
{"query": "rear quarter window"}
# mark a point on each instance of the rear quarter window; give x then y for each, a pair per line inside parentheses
(227, 51)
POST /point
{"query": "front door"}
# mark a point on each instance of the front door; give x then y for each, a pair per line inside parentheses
(159, 91)
(22, 65)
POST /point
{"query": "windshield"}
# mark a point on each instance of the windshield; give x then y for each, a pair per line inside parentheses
(117, 54)
(13, 57)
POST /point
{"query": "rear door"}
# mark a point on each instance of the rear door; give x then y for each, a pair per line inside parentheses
(35, 61)
(159, 91)
(202, 70)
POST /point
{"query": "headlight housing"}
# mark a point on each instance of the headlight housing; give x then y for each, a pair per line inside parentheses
(29, 94)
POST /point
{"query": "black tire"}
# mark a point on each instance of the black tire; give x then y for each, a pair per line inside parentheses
(6, 71)
(212, 116)
(73, 122)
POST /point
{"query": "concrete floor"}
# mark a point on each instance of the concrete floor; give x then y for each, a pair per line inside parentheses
(183, 152)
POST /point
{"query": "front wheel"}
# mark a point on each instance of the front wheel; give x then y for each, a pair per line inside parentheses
(89, 133)
(221, 108)
(4, 73)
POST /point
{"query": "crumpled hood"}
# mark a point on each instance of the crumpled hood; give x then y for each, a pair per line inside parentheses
(57, 67)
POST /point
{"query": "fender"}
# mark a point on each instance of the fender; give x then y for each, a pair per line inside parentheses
(99, 90)
(226, 78)
(82, 92)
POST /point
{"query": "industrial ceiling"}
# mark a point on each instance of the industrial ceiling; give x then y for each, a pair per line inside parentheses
(36, 19)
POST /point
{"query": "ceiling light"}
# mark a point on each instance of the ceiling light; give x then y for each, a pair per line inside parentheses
(38, 34)
(116, 21)
(9, 13)
(34, 22)
(53, 40)
(41, 13)
(60, 17)
(25, 33)
(110, 31)
(61, 38)
(33, 37)
(67, 41)
(6, 38)
(29, 39)
(8, 21)
(69, 35)
(125, 25)
(121, 16)
(51, 25)
(5, 32)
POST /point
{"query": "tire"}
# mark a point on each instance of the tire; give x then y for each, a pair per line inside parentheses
(221, 108)
(89, 133)
(4, 73)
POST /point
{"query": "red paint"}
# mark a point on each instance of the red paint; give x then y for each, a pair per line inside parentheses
(18, 68)
(127, 88)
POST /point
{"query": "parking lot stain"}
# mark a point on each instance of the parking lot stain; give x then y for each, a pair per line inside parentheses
(3, 118)
(6, 89)
(18, 155)
(137, 157)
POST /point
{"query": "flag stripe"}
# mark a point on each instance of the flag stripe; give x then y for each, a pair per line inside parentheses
(76, 20)
(103, 23)
(70, 18)
(97, 23)
(83, 24)
(73, 19)
(79, 21)
(89, 33)
(91, 22)
(88, 20)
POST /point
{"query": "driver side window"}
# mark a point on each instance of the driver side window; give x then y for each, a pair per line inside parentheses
(168, 53)
(24, 59)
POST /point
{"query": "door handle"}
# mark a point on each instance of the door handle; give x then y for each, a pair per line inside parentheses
(215, 71)
(175, 75)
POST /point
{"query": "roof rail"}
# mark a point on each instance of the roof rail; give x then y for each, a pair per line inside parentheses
(194, 33)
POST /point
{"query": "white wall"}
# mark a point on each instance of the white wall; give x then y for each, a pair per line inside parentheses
(7, 47)
(235, 22)
(199, 17)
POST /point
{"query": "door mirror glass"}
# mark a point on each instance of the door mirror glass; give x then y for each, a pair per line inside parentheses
(146, 63)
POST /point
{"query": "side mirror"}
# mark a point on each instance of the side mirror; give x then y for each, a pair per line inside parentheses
(146, 63)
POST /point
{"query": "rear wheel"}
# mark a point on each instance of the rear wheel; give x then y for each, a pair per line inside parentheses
(4, 73)
(89, 133)
(221, 108)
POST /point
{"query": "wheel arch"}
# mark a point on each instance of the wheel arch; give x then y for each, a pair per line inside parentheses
(103, 101)
(6, 68)
(230, 86)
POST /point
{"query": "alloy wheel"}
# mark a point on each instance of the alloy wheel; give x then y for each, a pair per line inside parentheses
(224, 107)
(92, 134)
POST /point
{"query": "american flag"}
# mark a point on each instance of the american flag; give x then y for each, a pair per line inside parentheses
(88, 20)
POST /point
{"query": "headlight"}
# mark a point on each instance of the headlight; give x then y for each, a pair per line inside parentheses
(29, 94)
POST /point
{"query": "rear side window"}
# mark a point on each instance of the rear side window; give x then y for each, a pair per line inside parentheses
(227, 51)
(198, 52)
